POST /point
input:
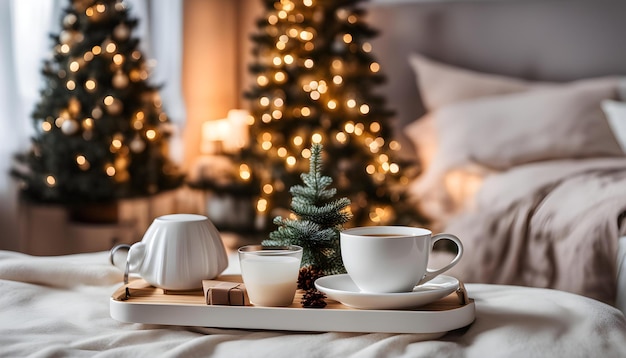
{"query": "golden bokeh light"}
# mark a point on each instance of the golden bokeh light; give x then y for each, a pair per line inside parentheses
(316, 138)
(110, 47)
(261, 205)
(280, 76)
(395, 145)
(74, 66)
(244, 172)
(262, 80)
(118, 59)
(51, 180)
(341, 137)
(90, 85)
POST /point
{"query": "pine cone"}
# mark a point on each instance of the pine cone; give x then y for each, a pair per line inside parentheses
(313, 299)
(307, 277)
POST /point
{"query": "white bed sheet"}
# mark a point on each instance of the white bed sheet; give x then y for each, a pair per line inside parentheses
(59, 306)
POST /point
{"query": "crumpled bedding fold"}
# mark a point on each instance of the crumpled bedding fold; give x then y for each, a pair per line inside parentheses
(549, 224)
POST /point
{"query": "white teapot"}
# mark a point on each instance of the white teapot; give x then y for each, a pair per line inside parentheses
(178, 251)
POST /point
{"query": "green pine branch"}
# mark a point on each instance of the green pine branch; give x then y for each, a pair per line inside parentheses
(318, 219)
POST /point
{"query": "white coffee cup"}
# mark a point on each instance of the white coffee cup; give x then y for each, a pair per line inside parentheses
(386, 259)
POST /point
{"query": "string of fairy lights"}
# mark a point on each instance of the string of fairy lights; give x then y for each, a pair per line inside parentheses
(80, 71)
(291, 26)
(312, 87)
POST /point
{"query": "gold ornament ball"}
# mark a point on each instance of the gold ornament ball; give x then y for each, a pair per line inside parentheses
(69, 20)
(69, 126)
(120, 80)
(96, 113)
(88, 134)
(115, 108)
(66, 36)
(137, 145)
(121, 32)
(135, 75)
(74, 106)
(121, 176)
(120, 6)
(121, 163)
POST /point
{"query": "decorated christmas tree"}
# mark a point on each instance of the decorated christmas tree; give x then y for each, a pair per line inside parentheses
(101, 132)
(316, 221)
(315, 81)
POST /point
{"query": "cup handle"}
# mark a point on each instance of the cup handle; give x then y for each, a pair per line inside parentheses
(430, 273)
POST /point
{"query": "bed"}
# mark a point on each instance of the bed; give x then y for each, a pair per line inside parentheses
(540, 290)
(59, 307)
(516, 113)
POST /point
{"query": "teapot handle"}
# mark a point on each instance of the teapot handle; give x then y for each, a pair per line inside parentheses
(135, 256)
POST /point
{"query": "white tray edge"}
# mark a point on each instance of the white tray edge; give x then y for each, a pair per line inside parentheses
(290, 319)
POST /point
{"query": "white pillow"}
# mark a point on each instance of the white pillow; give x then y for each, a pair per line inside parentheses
(441, 84)
(508, 130)
(441, 192)
(616, 116)
(500, 132)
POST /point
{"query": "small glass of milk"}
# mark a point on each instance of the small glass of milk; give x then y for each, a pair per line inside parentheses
(270, 273)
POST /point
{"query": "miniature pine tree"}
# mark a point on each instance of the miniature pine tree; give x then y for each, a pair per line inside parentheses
(101, 133)
(318, 219)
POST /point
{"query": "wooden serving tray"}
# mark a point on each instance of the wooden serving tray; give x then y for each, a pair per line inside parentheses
(147, 304)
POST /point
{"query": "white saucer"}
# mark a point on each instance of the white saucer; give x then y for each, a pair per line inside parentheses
(341, 288)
